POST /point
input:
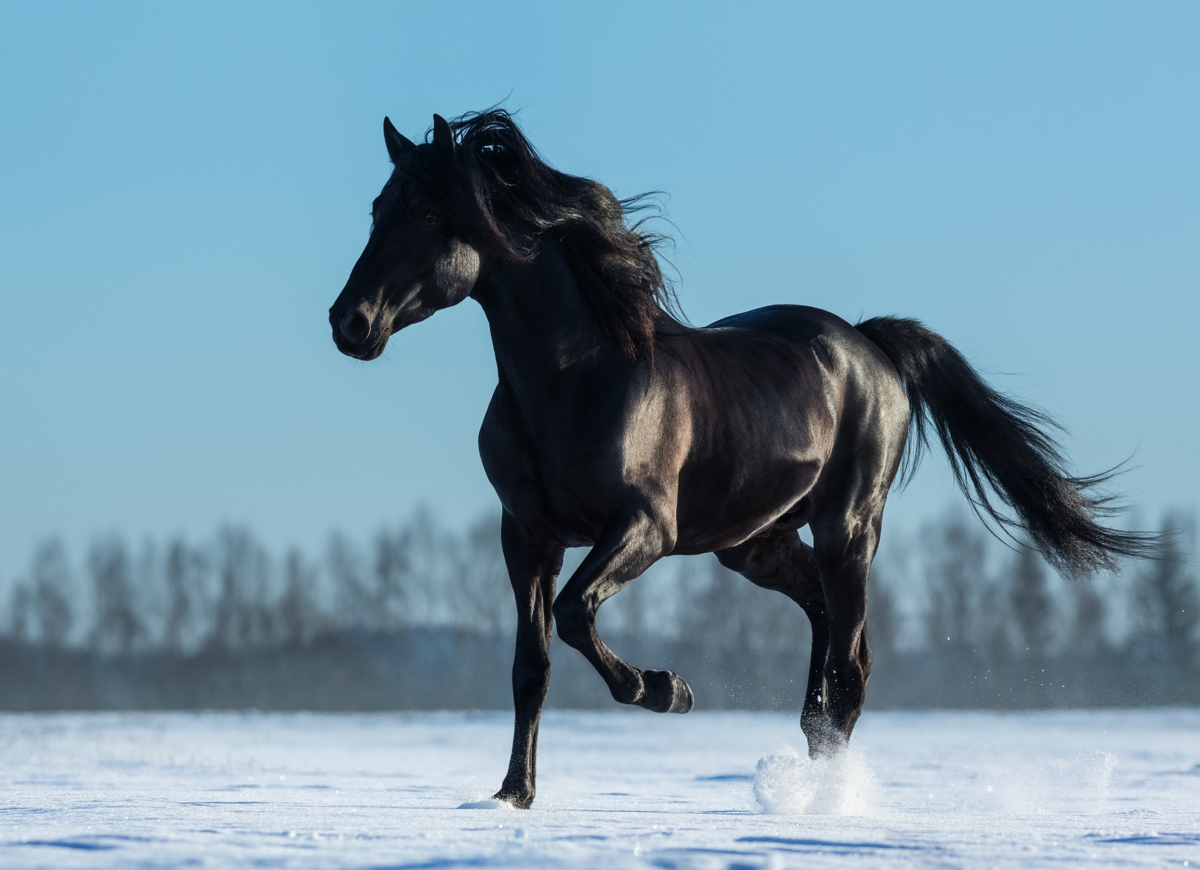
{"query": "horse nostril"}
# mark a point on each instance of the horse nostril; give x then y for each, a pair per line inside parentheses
(355, 326)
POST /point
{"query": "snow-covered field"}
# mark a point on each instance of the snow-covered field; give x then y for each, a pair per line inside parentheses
(621, 789)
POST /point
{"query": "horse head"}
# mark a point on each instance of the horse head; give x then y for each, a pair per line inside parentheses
(416, 260)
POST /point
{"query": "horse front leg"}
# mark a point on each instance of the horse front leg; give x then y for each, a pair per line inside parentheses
(629, 546)
(533, 567)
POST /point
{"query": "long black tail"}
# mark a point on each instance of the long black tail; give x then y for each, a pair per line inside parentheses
(998, 446)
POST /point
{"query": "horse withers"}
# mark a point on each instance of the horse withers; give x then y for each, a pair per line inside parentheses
(616, 426)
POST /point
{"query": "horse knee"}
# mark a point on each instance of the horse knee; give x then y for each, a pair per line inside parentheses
(573, 621)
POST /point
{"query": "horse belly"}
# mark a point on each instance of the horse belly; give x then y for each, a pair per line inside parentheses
(724, 507)
(761, 447)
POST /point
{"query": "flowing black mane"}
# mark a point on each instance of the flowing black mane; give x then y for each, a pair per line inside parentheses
(512, 199)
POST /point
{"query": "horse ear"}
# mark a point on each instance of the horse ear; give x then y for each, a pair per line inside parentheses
(443, 136)
(397, 145)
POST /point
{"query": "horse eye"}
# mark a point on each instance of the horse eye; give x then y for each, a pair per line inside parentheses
(430, 218)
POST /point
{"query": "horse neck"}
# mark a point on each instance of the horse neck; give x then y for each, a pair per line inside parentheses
(541, 325)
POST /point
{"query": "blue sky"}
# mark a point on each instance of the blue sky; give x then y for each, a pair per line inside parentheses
(184, 188)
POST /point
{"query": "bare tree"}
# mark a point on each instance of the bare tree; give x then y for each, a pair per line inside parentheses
(183, 575)
(1167, 602)
(955, 554)
(714, 613)
(1089, 620)
(631, 612)
(393, 578)
(299, 617)
(430, 551)
(51, 575)
(480, 579)
(118, 626)
(1032, 605)
(884, 624)
(354, 601)
(20, 606)
(243, 616)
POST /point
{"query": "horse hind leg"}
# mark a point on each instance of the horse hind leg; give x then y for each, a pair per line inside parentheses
(625, 551)
(844, 551)
(784, 563)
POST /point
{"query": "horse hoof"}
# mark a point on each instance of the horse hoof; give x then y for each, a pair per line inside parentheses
(824, 739)
(666, 692)
(518, 800)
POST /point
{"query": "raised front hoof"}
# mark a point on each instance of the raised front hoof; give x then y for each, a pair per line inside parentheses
(666, 692)
(521, 800)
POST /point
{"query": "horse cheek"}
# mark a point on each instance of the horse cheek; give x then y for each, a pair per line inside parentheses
(456, 272)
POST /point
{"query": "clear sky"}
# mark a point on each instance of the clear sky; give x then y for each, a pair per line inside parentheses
(184, 188)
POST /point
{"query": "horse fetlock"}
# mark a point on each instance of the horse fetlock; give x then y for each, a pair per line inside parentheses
(666, 692)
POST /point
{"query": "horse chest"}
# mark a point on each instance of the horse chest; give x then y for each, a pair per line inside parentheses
(542, 479)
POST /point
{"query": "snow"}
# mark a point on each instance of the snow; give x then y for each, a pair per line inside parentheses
(624, 789)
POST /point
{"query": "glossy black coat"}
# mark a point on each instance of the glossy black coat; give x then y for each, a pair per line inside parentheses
(723, 439)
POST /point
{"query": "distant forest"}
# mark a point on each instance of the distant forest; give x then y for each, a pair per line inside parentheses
(421, 617)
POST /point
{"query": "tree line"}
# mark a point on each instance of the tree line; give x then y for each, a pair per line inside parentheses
(421, 616)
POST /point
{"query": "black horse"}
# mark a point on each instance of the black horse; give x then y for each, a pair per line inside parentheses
(616, 426)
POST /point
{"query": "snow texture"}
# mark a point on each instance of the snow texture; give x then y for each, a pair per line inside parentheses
(625, 789)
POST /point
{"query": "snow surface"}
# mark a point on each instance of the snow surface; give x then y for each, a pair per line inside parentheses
(621, 789)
